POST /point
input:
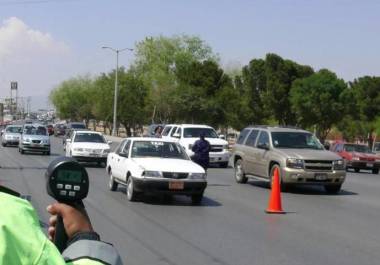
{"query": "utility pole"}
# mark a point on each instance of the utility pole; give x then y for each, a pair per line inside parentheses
(116, 86)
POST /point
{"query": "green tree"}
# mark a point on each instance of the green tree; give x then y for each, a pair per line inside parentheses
(72, 98)
(280, 74)
(157, 59)
(317, 101)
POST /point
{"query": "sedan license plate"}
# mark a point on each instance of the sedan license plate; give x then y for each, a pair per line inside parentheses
(320, 176)
(369, 165)
(176, 185)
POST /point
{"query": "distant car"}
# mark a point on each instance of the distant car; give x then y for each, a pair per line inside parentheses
(34, 138)
(358, 156)
(155, 165)
(59, 129)
(11, 135)
(50, 129)
(75, 126)
(376, 148)
(88, 146)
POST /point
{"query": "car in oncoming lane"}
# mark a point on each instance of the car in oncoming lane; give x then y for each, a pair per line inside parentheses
(88, 146)
(34, 138)
(11, 135)
(155, 166)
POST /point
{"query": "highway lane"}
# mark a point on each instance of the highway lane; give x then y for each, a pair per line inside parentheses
(230, 227)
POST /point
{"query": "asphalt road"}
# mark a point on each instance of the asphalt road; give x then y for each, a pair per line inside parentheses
(230, 227)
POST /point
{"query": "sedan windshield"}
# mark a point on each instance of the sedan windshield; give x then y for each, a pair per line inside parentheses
(295, 140)
(89, 138)
(35, 130)
(357, 148)
(196, 132)
(158, 149)
(78, 126)
(14, 129)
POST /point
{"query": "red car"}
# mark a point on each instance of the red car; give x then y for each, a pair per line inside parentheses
(357, 156)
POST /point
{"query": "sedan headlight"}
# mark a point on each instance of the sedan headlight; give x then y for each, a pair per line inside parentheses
(197, 176)
(225, 146)
(152, 174)
(106, 151)
(45, 141)
(356, 158)
(78, 149)
(339, 164)
(294, 163)
(27, 140)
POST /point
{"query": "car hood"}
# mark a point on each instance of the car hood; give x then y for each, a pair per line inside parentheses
(168, 165)
(12, 134)
(212, 141)
(309, 154)
(364, 155)
(90, 145)
(35, 137)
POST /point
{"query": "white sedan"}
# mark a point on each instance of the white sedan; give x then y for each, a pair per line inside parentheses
(88, 146)
(155, 165)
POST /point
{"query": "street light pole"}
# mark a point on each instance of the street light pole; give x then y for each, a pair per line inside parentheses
(116, 86)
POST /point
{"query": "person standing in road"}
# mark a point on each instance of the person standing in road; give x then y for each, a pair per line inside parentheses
(201, 149)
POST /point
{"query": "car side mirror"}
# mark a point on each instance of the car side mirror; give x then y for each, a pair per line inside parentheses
(264, 146)
(68, 140)
(109, 142)
(123, 154)
(221, 136)
(176, 135)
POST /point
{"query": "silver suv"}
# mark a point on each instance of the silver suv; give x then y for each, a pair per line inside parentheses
(298, 154)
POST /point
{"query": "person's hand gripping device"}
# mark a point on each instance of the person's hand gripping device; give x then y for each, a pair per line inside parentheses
(67, 182)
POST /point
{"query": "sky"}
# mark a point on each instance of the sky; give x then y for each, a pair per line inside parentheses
(43, 42)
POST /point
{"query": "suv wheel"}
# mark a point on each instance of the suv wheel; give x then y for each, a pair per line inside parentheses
(112, 184)
(375, 171)
(283, 186)
(333, 189)
(131, 193)
(357, 170)
(239, 172)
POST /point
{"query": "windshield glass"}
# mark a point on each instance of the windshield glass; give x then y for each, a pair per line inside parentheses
(376, 147)
(357, 148)
(89, 138)
(158, 149)
(295, 140)
(35, 130)
(195, 132)
(14, 129)
(78, 126)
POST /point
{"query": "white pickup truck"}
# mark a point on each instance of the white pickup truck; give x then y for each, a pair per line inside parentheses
(187, 134)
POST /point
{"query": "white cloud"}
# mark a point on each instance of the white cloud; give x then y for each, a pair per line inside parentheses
(33, 58)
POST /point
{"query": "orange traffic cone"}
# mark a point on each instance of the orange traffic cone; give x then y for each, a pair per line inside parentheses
(274, 205)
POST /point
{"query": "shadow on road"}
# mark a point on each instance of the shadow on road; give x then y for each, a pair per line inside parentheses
(304, 190)
(173, 200)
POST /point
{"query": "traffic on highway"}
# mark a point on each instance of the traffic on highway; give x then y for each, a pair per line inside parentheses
(189, 132)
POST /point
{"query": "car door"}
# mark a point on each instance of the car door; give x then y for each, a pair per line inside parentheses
(114, 160)
(124, 161)
(262, 155)
(250, 162)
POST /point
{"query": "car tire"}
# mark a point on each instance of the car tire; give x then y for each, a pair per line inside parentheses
(196, 199)
(239, 172)
(22, 151)
(375, 171)
(223, 165)
(332, 189)
(131, 193)
(48, 153)
(357, 170)
(4, 144)
(283, 186)
(112, 184)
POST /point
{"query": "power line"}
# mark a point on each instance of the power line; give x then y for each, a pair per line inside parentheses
(33, 2)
